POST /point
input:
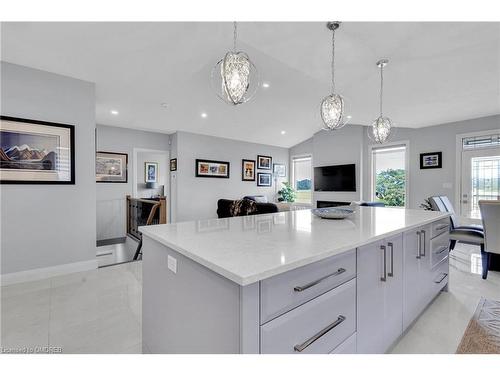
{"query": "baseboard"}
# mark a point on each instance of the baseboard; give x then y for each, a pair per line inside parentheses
(43, 273)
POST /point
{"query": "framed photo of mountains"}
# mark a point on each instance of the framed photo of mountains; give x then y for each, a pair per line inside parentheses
(36, 152)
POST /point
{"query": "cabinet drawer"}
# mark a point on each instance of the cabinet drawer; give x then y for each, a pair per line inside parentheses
(440, 226)
(347, 347)
(439, 248)
(282, 293)
(317, 326)
(439, 277)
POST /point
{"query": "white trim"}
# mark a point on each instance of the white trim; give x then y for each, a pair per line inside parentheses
(458, 165)
(405, 143)
(43, 273)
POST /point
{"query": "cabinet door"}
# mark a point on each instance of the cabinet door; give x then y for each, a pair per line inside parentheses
(393, 297)
(412, 290)
(370, 298)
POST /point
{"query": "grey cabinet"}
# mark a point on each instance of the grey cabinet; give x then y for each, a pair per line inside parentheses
(379, 294)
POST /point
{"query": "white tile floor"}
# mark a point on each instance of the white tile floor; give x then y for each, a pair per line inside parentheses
(100, 311)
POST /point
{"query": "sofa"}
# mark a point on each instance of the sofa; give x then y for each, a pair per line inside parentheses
(243, 207)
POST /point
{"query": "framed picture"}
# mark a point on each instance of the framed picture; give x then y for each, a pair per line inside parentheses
(173, 165)
(431, 160)
(279, 170)
(150, 171)
(36, 152)
(248, 170)
(212, 168)
(111, 167)
(264, 179)
(264, 162)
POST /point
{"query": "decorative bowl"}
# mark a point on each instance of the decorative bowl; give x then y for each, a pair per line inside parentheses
(333, 212)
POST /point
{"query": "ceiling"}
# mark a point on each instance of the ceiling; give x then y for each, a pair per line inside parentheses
(438, 72)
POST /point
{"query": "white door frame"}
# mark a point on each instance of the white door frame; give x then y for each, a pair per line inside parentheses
(135, 151)
(292, 177)
(405, 143)
(458, 165)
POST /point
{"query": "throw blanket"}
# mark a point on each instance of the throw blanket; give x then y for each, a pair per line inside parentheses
(242, 207)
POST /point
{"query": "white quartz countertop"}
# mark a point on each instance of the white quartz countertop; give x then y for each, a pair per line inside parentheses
(252, 248)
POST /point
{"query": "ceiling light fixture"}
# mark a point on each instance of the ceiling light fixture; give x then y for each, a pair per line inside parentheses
(235, 78)
(204, 115)
(381, 127)
(283, 132)
(332, 106)
(114, 112)
(265, 85)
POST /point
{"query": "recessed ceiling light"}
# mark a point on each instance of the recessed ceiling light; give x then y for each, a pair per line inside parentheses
(349, 117)
(114, 112)
(283, 132)
(204, 115)
(265, 85)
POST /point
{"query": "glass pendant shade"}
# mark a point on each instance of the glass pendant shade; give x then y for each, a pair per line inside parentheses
(332, 106)
(235, 78)
(381, 129)
(235, 72)
(332, 112)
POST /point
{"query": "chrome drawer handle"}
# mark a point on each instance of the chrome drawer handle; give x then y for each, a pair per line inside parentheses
(444, 277)
(313, 283)
(441, 249)
(324, 331)
(442, 226)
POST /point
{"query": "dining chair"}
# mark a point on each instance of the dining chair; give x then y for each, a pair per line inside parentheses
(470, 234)
(490, 214)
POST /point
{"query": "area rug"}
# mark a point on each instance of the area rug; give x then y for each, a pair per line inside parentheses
(482, 335)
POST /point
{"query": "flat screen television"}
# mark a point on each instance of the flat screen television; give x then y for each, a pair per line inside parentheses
(335, 178)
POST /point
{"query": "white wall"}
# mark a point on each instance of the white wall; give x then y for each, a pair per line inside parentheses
(196, 198)
(111, 197)
(49, 225)
(342, 146)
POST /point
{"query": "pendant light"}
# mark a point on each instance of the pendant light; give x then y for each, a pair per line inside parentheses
(235, 78)
(332, 106)
(381, 127)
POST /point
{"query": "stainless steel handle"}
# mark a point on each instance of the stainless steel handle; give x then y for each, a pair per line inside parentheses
(391, 272)
(423, 242)
(441, 249)
(324, 331)
(384, 277)
(313, 283)
(444, 277)
(419, 244)
(442, 226)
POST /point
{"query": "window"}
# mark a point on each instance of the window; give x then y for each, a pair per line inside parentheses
(389, 175)
(301, 178)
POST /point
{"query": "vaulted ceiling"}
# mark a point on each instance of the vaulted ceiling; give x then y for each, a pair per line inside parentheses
(438, 72)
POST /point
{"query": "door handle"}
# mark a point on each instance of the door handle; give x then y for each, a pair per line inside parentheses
(384, 276)
(419, 244)
(423, 242)
(391, 272)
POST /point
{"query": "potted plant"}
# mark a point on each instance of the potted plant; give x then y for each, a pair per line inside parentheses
(287, 193)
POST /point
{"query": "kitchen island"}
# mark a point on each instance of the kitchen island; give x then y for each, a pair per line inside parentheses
(290, 282)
